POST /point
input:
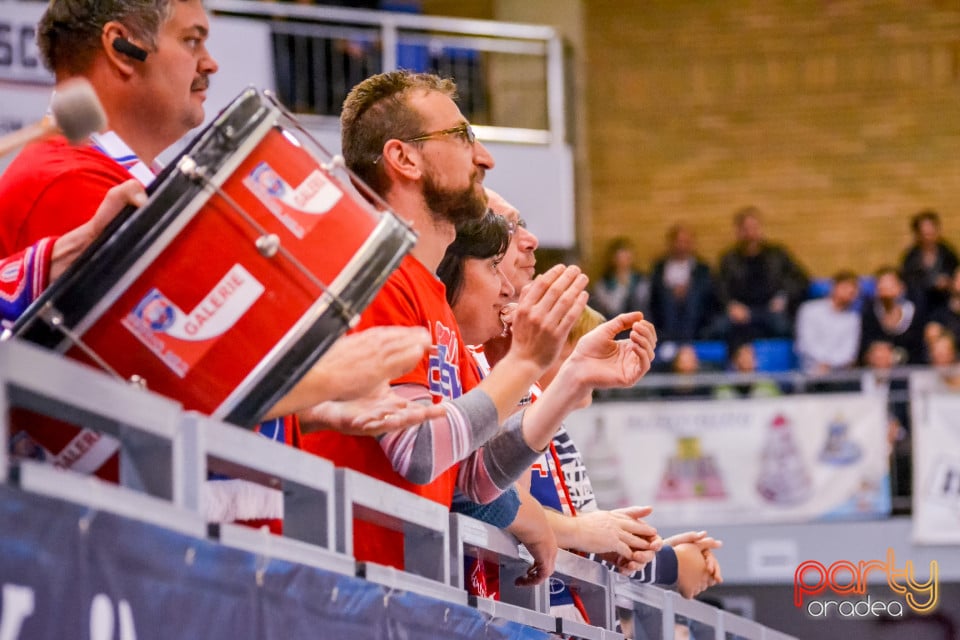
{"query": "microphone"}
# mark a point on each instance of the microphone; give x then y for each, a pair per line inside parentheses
(76, 114)
(126, 47)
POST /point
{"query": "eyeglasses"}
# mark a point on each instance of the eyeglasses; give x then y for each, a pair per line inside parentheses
(513, 226)
(465, 131)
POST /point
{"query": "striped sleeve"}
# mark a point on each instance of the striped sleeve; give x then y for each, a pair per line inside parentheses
(490, 470)
(491, 458)
(23, 277)
(422, 452)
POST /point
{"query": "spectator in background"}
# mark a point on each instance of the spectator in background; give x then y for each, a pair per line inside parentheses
(681, 289)
(879, 360)
(744, 361)
(928, 265)
(686, 364)
(622, 288)
(828, 329)
(943, 350)
(946, 317)
(891, 317)
(759, 285)
(943, 356)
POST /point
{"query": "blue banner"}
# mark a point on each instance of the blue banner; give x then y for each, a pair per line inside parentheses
(70, 572)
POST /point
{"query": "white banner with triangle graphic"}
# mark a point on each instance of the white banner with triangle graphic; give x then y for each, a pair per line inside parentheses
(785, 459)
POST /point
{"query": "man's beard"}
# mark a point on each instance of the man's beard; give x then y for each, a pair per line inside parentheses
(452, 206)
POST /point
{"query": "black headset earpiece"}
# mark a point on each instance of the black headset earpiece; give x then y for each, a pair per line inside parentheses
(126, 47)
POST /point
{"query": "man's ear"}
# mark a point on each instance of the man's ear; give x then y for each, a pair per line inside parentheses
(122, 61)
(402, 159)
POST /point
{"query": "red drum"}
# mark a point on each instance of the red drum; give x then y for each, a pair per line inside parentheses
(254, 252)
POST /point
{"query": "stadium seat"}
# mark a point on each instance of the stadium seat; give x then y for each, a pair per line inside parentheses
(712, 352)
(775, 354)
(868, 287)
(819, 287)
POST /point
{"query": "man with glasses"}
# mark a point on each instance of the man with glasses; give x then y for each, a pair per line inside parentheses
(403, 134)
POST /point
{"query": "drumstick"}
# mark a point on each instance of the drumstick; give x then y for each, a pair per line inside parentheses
(76, 114)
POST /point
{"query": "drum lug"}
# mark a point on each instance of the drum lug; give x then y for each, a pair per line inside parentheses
(268, 245)
(188, 167)
(138, 381)
(52, 317)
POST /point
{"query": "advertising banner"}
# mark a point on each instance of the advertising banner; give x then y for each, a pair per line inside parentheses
(936, 468)
(784, 459)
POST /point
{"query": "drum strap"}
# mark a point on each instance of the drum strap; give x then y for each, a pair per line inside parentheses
(110, 144)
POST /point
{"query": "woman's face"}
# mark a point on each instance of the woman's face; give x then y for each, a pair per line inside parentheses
(485, 291)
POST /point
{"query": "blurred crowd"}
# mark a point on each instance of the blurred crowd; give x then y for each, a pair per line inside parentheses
(908, 312)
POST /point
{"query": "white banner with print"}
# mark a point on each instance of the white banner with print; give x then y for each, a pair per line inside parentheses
(936, 467)
(785, 459)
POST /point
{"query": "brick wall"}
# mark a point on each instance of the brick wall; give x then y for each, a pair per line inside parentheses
(839, 119)
(482, 9)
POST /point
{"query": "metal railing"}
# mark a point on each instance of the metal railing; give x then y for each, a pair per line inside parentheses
(510, 76)
(167, 453)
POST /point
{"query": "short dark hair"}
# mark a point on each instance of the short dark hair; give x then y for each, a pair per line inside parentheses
(751, 211)
(675, 230)
(68, 33)
(484, 238)
(845, 275)
(926, 214)
(620, 243)
(885, 270)
(377, 110)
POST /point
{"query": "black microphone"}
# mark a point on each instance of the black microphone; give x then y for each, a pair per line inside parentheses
(126, 47)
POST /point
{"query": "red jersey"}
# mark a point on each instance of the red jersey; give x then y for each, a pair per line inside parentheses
(412, 296)
(50, 188)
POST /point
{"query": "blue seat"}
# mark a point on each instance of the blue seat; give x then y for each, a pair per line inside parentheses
(775, 354)
(413, 57)
(819, 287)
(868, 287)
(712, 351)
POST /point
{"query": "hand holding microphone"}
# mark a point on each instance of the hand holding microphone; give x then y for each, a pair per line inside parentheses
(76, 114)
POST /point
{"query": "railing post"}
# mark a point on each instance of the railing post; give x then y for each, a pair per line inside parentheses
(389, 42)
(556, 113)
(668, 618)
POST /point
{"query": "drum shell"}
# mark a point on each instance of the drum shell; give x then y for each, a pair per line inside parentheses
(180, 294)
